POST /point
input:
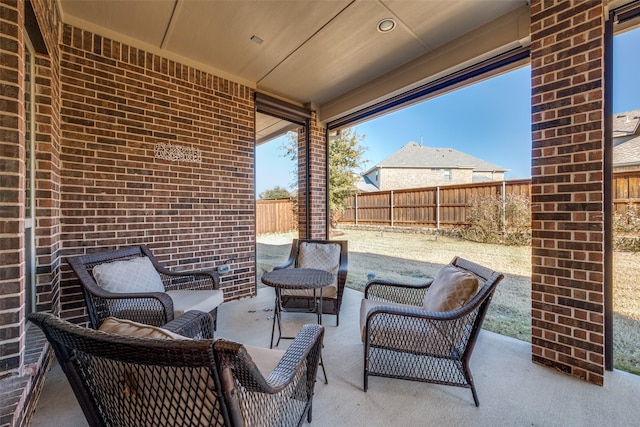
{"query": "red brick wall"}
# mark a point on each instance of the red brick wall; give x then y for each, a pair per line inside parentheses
(567, 45)
(315, 189)
(12, 156)
(47, 120)
(118, 103)
(23, 358)
(318, 180)
(303, 233)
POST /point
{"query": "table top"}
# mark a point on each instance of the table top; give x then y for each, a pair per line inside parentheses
(297, 278)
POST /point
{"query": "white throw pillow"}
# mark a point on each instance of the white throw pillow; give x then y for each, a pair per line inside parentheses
(134, 275)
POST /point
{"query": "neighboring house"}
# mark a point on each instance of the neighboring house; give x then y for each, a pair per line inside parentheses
(415, 165)
(626, 141)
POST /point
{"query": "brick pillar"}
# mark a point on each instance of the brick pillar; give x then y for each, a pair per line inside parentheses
(567, 66)
(12, 156)
(303, 233)
(318, 179)
(317, 182)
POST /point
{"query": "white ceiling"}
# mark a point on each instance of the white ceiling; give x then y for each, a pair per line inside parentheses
(313, 52)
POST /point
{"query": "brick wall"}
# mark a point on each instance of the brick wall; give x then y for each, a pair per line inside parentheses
(315, 188)
(303, 233)
(318, 179)
(567, 45)
(23, 349)
(120, 104)
(12, 156)
(47, 121)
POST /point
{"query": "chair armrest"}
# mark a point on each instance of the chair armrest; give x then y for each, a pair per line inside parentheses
(185, 279)
(235, 360)
(399, 292)
(413, 312)
(192, 324)
(195, 279)
(164, 299)
(153, 308)
(343, 270)
(287, 264)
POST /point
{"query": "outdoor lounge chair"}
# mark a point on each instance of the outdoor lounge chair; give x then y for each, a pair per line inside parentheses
(130, 283)
(132, 374)
(426, 332)
(329, 255)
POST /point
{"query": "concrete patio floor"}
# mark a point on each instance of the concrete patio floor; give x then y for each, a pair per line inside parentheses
(512, 390)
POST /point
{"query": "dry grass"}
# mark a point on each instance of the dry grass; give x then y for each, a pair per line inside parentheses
(407, 256)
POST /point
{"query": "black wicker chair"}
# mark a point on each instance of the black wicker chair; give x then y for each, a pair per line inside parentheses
(132, 381)
(332, 298)
(153, 308)
(403, 340)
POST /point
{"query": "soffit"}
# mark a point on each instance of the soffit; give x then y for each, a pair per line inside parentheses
(314, 53)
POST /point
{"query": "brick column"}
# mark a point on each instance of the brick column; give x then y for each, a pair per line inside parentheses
(567, 66)
(317, 182)
(318, 179)
(303, 233)
(12, 156)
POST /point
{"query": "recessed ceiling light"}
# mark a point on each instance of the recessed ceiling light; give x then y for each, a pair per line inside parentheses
(386, 25)
(256, 39)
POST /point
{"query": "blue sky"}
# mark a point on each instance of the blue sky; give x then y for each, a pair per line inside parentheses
(490, 120)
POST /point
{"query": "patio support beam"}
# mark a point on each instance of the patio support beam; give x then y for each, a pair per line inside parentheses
(569, 241)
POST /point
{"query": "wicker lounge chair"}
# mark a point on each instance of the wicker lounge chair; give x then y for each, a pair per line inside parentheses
(330, 255)
(130, 283)
(426, 332)
(133, 381)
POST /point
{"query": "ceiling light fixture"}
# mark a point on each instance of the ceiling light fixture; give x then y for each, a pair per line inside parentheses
(386, 25)
(256, 40)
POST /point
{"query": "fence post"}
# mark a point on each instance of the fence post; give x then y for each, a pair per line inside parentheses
(391, 203)
(356, 203)
(504, 207)
(438, 208)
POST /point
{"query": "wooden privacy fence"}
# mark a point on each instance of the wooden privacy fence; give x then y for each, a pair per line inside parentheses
(447, 206)
(276, 216)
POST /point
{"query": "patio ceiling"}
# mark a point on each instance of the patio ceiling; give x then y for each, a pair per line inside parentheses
(326, 54)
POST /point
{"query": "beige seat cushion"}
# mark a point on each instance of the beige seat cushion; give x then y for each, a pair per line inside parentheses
(321, 256)
(266, 359)
(133, 275)
(366, 305)
(202, 300)
(451, 289)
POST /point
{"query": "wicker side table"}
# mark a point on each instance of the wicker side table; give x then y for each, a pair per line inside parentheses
(296, 278)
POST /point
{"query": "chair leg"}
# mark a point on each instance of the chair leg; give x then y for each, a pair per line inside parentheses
(309, 412)
(276, 317)
(467, 374)
(475, 395)
(365, 384)
(337, 319)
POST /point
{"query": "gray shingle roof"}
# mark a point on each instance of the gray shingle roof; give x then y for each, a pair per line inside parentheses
(627, 153)
(626, 124)
(414, 155)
